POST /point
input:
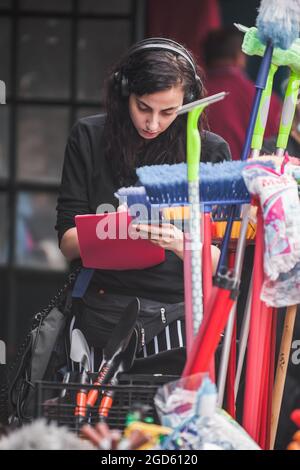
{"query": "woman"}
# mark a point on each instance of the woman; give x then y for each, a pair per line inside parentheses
(140, 127)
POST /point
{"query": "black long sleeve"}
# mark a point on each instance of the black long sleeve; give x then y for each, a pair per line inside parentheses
(73, 195)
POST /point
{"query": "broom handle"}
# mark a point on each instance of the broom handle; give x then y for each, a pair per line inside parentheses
(225, 354)
(230, 398)
(271, 375)
(288, 111)
(244, 339)
(260, 85)
(206, 258)
(250, 417)
(281, 370)
(255, 131)
(262, 115)
(239, 257)
(208, 337)
(189, 330)
(207, 274)
(193, 159)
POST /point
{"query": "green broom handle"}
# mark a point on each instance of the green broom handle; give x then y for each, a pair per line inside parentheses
(193, 144)
(288, 111)
(263, 111)
(193, 160)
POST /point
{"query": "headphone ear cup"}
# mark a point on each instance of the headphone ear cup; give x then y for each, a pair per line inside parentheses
(124, 86)
(121, 84)
(195, 93)
(189, 97)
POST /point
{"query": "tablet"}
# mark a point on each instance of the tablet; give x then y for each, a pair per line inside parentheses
(105, 243)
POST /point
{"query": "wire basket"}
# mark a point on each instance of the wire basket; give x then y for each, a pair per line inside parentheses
(57, 401)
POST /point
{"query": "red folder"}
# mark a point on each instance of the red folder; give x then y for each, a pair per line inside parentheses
(104, 243)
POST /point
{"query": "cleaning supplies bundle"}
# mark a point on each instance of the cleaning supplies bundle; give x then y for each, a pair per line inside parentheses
(197, 423)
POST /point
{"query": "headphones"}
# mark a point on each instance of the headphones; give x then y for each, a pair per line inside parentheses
(160, 44)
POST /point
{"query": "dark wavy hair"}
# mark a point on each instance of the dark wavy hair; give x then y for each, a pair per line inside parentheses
(147, 71)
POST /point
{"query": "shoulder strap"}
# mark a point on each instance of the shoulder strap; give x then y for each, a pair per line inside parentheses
(82, 282)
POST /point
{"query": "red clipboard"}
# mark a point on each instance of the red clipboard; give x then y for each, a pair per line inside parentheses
(104, 243)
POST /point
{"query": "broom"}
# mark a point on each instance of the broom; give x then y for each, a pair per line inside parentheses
(192, 261)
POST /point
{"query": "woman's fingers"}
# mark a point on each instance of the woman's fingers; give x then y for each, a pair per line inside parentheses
(157, 232)
(166, 236)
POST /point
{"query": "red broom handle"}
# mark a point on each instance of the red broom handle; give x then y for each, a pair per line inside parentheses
(230, 399)
(206, 261)
(219, 307)
(208, 337)
(251, 392)
(264, 399)
(207, 274)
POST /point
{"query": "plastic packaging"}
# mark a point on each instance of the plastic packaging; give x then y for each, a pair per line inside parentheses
(196, 421)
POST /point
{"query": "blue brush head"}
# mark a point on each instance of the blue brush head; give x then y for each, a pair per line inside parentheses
(278, 22)
(220, 183)
(137, 200)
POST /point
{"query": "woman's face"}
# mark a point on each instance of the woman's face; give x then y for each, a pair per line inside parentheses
(152, 114)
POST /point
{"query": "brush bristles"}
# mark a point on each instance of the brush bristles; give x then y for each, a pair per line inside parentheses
(278, 21)
(219, 183)
(132, 195)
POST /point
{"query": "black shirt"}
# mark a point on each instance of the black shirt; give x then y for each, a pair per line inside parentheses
(87, 182)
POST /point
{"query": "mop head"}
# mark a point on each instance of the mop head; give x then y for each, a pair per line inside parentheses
(278, 21)
(278, 195)
(42, 436)
(290, 57)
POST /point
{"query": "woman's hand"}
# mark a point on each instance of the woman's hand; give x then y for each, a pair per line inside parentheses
(166, 236)
(169, 237)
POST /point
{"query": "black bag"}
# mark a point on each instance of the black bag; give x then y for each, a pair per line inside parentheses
(40, 354)
(97, 314)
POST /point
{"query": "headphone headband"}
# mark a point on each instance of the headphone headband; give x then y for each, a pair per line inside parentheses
(121, 79)
(166, 44)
